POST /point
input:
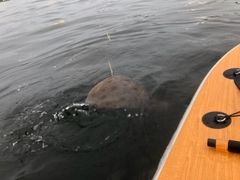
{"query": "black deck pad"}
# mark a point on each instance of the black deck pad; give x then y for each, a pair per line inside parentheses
(233, 73)
(210, 120)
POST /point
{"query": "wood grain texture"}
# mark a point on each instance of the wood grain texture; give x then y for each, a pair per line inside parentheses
(190, 158)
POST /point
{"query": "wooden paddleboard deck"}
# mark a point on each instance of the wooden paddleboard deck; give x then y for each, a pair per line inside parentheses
(188, 157)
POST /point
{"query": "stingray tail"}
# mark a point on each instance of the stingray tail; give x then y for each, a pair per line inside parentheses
(110, 67)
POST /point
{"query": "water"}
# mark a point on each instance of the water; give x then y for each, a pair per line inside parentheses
(54, 52)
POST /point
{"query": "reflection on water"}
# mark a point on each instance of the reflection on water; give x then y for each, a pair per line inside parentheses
(54, 52)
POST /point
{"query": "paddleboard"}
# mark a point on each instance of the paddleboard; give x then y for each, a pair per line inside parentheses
(200, 147)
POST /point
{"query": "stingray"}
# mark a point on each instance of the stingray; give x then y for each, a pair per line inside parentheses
(118, 92)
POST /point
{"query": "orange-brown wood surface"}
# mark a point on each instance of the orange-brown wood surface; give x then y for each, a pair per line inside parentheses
(190, 158)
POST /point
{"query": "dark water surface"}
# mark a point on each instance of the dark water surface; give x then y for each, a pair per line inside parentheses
(54, 51)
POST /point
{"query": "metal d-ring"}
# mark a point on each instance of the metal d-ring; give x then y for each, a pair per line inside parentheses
(221, 118)
(237, 72)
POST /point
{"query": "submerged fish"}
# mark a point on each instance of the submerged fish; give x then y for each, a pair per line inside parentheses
(118, 92)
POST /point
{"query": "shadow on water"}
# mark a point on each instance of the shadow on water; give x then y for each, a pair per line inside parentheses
(57, 139)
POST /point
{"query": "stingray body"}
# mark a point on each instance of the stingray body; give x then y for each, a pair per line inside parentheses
(118, 92)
